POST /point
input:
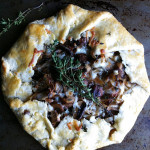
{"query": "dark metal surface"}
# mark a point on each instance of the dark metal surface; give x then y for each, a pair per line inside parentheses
(134, 15)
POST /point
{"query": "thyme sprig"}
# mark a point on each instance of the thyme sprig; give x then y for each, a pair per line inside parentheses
(8, 23)
(68, 72)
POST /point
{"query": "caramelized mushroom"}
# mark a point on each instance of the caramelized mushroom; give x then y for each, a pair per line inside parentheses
(107, 101)
(97, 91)
(58, 107)
(68, 105)
(53, 117)
(49, 100)
(66, 49)
(83, 41)
(82, 57)
(88, 68)
(48, 80)
(113, 92)
(113, 107)
(40, 96)
(58, 87)
(81, 110)
(68, 100)
(121, 71)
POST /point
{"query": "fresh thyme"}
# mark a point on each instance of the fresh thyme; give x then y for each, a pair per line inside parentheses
(67, 72)
(8, 23)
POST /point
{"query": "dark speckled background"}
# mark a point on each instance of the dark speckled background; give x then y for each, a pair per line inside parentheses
(134, 15)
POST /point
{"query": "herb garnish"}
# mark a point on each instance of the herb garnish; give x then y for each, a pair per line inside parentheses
(67, 72)
(8, 23)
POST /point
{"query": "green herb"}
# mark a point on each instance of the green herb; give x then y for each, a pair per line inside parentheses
(8, 23)
(68, 72)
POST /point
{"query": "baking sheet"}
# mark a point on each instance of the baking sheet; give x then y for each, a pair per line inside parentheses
(134, 15)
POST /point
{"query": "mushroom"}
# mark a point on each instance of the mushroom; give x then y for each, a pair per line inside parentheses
(68, 105)
(58, 107)
(97, 91)
(39, 96)
(49, 100)
(66, 49)
(68, 100)
(88, 68)
(107, 101)
(48, 80)
(112, 91)
(121, 71)
(82, 57)
(81, 110)
(58, 87)
(114, 108)
(54, 118)
(83, 41)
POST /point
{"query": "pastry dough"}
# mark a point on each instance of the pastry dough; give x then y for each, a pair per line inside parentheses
(32, 114)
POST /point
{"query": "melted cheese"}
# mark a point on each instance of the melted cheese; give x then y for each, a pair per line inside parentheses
(75, 104)
(82, 50)
(100, 63)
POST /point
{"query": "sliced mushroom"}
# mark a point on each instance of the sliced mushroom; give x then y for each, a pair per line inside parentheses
(82, 57)
(107, 101)
(40, 96)
(113, 107)
(49, 100)
(68, 100)
(113, 92)
(81, 110)
(53, 117)
(121, 71)
(67, 105)
(44, 83)
(48, 80)
(83, 41)
(66, 49)
(88, 68)
(58, 87)
(40, 85)
(58, 107)
(97, 91)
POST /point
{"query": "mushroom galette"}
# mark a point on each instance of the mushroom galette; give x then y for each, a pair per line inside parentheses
(77, 80)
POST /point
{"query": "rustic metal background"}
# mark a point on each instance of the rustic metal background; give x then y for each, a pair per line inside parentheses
(134, 15)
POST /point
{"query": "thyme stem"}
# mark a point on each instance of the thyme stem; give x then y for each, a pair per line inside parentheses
(21, 17)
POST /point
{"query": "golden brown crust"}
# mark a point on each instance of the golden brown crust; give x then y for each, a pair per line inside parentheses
(128, 113)
(136, 69)
(12, 83)
(22, 52)
(17, 74)
(15, 103)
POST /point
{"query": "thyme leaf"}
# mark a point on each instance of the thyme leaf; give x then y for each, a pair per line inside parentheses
(8, 23)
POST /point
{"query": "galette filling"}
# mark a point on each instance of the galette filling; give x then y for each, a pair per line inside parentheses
(76, 82)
